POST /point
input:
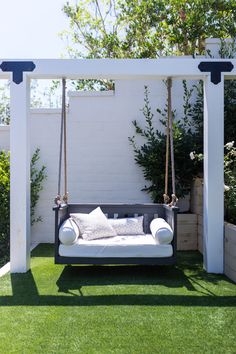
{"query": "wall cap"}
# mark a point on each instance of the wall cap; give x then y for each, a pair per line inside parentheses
(91, 93)
(4, 127)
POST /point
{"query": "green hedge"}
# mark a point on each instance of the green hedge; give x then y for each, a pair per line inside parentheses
(4, 206)
(38, 175)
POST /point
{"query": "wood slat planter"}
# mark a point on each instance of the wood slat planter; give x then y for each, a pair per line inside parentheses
(196, 201)
(229, 236)
(230, 251)
(187, 232)
(200, 233)
(196, 206)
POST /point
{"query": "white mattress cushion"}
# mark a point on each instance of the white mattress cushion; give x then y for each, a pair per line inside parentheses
(161, 231)
(128, 226)
(93, 225)
(68, 232)
(137, 246)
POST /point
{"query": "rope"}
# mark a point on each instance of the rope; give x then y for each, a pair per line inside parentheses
(169, 149)
(165, 195)
(173, 195)
(58, 200)
(65, 196)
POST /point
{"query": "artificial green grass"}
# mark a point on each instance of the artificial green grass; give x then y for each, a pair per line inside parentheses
(117, 309)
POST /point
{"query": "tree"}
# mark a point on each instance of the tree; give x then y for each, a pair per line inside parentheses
(146, 28)
(4, 103)
(180, 26)
(95, 29)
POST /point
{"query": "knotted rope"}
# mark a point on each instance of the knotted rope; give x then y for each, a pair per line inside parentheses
(169, 149)
(63, 144)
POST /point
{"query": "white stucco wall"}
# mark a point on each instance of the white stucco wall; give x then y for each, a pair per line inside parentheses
(101, 163)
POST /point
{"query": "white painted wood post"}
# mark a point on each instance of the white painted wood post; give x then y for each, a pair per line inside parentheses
(213, 176)
(20, 177)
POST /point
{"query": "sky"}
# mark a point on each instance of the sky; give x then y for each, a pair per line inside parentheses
(29, 29)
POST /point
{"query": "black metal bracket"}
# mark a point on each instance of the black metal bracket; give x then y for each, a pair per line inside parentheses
(215, 68)
(17, 68)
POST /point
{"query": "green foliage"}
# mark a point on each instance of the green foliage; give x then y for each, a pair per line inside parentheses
(38, 175)
(188, 144)
(92, 84)
(4, 103)
(227, 50)
(230, 182)
(95, 29)
(146, 28)
(151, 155)
(143, 29)
(229, 110)
(196, 116)
(4, 207)
(229, 179)
(177, 26)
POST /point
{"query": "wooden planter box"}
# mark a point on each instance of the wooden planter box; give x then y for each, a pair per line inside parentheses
(196, 207)
(230, 230)
(196, 201)
(200, 233)
(187, 232)
(230, 251)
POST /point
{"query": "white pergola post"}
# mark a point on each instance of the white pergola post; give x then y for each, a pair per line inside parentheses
(20, 177)
(213, 175)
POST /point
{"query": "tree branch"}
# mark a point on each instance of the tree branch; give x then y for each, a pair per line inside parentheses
(101, 17)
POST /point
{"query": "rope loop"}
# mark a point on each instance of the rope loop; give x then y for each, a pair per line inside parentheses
(166, 198)
(65, 198)
(57, 200)
(174, 200)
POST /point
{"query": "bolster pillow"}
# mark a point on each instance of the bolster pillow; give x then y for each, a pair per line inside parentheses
(68, 232)
(161, 231)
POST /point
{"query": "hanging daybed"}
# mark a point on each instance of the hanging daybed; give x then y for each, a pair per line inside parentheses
(137, 233)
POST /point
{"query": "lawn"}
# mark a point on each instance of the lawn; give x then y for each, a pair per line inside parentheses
(117, 309)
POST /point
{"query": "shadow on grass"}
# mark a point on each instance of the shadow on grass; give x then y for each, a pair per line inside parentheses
(76, 277)
(43, 250)
(73, 278)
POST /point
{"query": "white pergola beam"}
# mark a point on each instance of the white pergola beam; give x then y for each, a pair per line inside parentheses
(119, 68)
(20, 177)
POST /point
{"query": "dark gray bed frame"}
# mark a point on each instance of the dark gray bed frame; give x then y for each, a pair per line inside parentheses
(149, 211)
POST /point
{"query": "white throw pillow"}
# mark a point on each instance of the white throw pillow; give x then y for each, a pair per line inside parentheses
(93, 225)
(128, 226)
(68, 232)
(161, 231)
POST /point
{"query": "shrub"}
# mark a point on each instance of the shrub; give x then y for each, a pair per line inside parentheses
(229, 179)
(230, 182)
(151, 155)
(188, 144)
(38, 175)
(4, 207)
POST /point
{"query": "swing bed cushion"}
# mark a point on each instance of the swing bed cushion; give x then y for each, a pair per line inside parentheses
(156, 245)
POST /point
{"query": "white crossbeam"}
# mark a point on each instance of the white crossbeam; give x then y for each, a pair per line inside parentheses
(119, 68)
